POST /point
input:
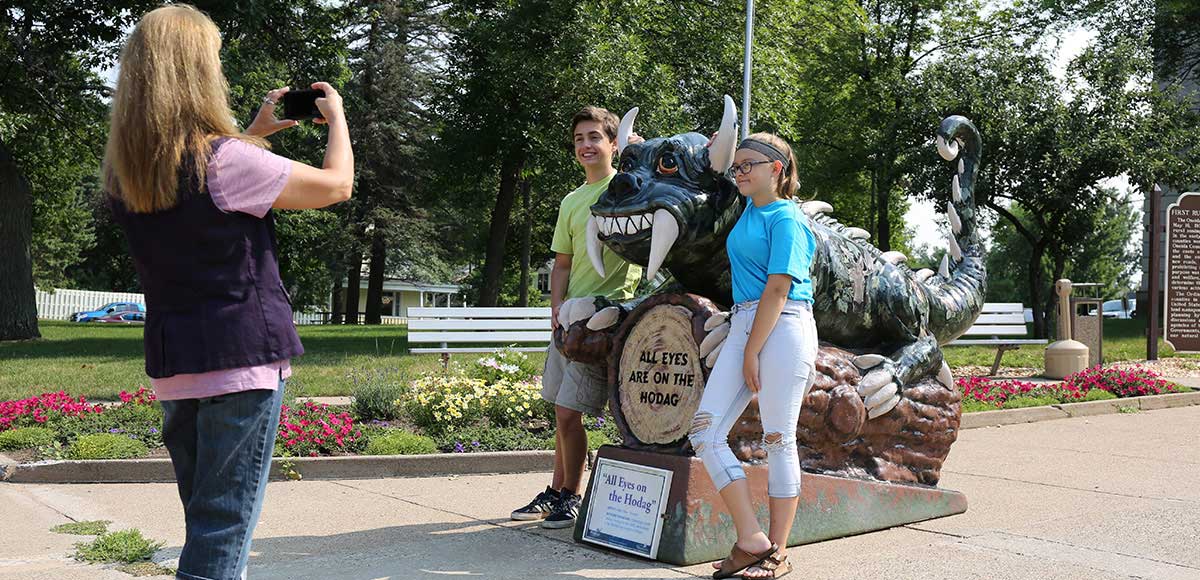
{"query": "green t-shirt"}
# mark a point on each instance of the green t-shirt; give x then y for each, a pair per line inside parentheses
(570, 237)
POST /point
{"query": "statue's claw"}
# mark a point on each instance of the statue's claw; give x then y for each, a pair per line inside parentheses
(717, 327)
(604, 318)
(945, 377)
(880, 388)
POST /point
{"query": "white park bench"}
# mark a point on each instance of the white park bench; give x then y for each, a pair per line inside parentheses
(475, 329)
(1002, 325)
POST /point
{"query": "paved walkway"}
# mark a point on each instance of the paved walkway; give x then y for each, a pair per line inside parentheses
(1096, 498)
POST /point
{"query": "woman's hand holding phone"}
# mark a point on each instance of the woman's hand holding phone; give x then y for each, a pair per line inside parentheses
(330, 105)
(265, 123)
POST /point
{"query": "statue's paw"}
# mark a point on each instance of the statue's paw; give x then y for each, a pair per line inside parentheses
(575, 309)
(717, 327)
(879, 388)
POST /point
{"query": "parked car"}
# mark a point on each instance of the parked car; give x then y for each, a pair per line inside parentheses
(127, 317)
(1114, 309)
(107, 309)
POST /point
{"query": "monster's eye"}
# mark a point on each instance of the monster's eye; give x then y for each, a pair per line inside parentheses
(627, 164)
(667, 165)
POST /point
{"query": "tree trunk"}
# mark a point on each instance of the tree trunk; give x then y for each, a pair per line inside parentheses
(493, 265)
(353, 285)
(526, 235)
(1037, 289)
(18, 309)
(338, 299)
(375, 280)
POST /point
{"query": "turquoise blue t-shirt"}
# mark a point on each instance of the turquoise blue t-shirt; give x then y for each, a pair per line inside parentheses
(773, 239)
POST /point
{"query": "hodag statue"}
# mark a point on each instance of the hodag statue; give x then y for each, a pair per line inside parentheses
(883, 404)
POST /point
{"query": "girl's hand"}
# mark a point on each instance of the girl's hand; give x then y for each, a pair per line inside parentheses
(265, 124)
(750, 371)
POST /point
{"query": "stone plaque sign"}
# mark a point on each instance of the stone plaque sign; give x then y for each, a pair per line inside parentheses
(660, 376)
(1181, 323)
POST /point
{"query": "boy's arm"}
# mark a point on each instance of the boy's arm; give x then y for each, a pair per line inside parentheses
(560, 275)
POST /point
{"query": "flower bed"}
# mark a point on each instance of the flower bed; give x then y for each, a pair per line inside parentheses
(491, 404)
(1091, 384)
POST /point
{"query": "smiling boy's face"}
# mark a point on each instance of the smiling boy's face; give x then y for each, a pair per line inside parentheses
(593, 147)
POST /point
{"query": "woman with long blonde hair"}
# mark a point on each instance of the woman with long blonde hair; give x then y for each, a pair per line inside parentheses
(194, 196)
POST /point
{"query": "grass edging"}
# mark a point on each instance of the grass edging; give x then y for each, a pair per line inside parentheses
(159, 470)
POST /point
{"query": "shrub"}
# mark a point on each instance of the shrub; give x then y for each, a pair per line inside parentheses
(1098, 395)
(399, 442)
(443, 403)
(138, 420)
(480, 438)
(314, 429)
(375, 394)
(26, 437)
(106, 446)
(127, 546)
(1132, 382)
(87, 528)
(507, 364)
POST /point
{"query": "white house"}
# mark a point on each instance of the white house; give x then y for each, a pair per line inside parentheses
(400, 295)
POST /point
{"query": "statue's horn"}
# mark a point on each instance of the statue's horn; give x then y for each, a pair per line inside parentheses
(625, 128)
(720, 153)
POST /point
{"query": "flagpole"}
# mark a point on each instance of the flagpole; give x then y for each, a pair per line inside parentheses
(746, 69)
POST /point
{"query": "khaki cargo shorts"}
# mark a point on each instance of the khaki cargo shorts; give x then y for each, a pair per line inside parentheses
(577, 386)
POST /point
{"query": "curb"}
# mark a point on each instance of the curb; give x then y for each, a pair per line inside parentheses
(381, 466)
(348, 467)
(1068, 410)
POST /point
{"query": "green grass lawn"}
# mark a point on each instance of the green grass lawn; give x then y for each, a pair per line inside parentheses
(99, 361)
(1123, 340)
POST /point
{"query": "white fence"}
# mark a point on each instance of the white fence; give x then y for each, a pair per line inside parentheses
(61, 304)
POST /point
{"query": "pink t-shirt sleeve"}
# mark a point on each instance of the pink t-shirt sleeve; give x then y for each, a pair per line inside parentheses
(243, 177)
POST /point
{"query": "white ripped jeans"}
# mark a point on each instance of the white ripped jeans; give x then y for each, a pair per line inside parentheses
(785, 371)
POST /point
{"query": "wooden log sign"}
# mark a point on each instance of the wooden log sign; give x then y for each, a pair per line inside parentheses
(656, 375)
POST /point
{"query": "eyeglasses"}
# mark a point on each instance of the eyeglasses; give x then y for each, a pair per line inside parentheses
(745, 167)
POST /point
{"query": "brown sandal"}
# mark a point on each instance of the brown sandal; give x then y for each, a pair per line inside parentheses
(740, 559)
(778, 566)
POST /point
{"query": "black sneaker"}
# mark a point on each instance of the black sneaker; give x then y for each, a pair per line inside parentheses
(540, 507)
(562, 514)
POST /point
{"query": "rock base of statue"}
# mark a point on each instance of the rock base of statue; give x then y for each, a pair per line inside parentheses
(697, 528)
(656, 378)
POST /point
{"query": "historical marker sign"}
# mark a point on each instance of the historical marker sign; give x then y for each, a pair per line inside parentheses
(1181, 326)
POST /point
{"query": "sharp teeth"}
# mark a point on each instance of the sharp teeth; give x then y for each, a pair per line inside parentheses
(955, 251)
(662, 237)
(955, 222)
(629, 228)
(594, 249)
(645, 221)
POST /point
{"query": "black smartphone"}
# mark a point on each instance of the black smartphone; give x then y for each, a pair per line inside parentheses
(301, 105)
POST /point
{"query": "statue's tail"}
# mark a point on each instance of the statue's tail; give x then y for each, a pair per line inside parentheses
(957, 290)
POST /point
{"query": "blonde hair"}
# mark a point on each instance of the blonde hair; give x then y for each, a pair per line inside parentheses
(786, 183)
(171, 100)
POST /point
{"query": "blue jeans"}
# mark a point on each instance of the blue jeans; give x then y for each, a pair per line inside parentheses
(221, 450)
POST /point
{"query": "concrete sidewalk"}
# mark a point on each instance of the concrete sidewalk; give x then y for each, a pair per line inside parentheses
(1097, 498)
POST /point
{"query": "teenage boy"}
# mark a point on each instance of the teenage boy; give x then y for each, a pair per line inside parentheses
(577, 388)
